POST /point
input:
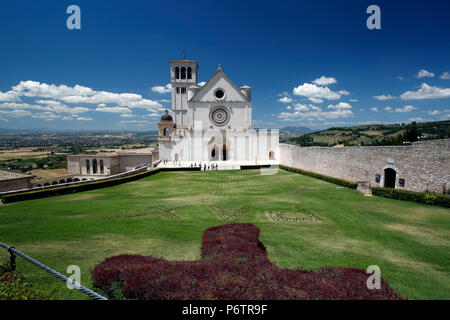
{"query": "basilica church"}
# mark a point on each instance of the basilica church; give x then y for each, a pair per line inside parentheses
(212, 122)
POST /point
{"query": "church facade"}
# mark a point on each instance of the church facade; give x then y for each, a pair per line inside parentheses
(212, 123)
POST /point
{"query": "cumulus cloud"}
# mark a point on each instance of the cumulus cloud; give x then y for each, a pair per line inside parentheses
(340, 105)
(50, 101)
(384, 97)
(389, 109)
(445, 75)
(343, 92)
(424, 74)
(162, 89)
(427, 92)
(353, 100)
(314, 113)
(374, 109)
(310, 90)
(285, 100)
(9, 96)
(324, 81)
(316, 100)
(434, 112)
(113, 109)
(405, 109)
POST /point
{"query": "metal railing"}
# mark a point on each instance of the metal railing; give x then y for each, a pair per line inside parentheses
(12, 258)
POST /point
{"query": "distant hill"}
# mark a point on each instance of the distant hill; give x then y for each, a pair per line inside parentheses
(377, 134)
(295, 129)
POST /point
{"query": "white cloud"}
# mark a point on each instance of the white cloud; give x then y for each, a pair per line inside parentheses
(400, 78)
(424, 74)
(340, 105)
(323, 81)
(374, 109)
(9, 96)
(127, 115)
(445, 75)
(84, 119)
(113, 109)
(79, 94)
(384, 97)
(418, 119)
(288, 108)
(312, 91)
(314, 113)
(285, 100)
(427, 92)
(16, 113)
(300, 107)
(405, 109)
(353, 100)
(434, 112)
(389, 109)
(162, 89)
(316, 100)
(201, 84)
(343, 92)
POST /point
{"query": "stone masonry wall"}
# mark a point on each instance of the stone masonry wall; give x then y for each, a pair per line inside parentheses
(424, 165)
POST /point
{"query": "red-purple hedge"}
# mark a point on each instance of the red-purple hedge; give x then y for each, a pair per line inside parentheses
(234, 266)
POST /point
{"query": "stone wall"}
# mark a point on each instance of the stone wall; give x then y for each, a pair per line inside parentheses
(424, 165)
(15, 184)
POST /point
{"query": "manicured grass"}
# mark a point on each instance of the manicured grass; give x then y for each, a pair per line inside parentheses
(165, 215)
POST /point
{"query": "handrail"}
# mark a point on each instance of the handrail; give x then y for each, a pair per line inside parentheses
(12, 251)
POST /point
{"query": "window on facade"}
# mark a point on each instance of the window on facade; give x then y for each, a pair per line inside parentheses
(94, 166)
(88, 167)
(183, 90)
(189, 75)
(178, 89)
(102, 170)
(183, 73)
(177, 73)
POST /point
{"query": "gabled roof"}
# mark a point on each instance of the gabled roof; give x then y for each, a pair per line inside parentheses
(224, 76)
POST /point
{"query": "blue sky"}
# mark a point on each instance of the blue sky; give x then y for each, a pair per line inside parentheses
(310, 63)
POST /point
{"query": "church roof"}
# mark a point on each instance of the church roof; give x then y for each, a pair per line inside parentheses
(221, 73)
(166, 117)
(185, 60)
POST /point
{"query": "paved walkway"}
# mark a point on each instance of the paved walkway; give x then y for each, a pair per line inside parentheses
(221, 165)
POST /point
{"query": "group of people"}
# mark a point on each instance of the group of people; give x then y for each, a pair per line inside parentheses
(212, 166)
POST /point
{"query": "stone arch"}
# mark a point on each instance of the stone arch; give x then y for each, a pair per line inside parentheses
(102, 167)
(189, 73)
(69, 180)
(183, 73)
(224, 152)
(46, 184)
(84, 179)
(88, 166)
(38, 185)
(76, 180)
(390, 176)
(62, 181)
(177, 73)
(165, 132)
(54, 182)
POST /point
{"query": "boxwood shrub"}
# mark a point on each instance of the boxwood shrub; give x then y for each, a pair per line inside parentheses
(432, 198)
(341, 182)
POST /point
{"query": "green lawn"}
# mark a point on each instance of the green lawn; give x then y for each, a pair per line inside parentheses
(165, 215)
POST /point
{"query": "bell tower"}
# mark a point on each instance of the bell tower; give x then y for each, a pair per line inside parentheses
(183, 74)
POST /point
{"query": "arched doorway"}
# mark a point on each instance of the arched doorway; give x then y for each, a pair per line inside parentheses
(271, 156)
(224, 152)
(177, 157)
(389, 178)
